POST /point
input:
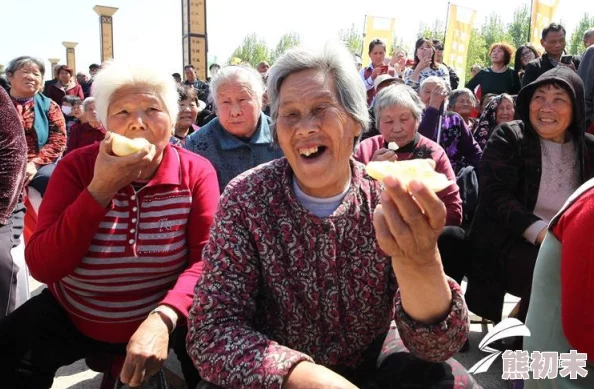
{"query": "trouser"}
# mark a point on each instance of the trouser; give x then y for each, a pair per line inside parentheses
(11, 269)
(41, 178)
(39, 338)
(519, 268)
(452, 247)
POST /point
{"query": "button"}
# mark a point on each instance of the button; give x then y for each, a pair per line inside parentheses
(135, 209)
(133, 197)
(131, 241)
(132, 230)
(134, 220)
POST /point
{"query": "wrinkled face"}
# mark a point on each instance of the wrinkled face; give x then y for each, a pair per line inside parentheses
(190, 74)
(188, 112)
(315, 133)
(505, 111)
(81, 78)
(77, 110)
(497, 55)
(527, 56)
(377, 55)
(398, 124)
(425, 92)
(26, 81)
(238, 108)
(137, 112)
(551, 112)
(554, 43)
(64, 77)
(464, 106)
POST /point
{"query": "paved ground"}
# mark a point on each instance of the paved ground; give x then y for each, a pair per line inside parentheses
(79, 376)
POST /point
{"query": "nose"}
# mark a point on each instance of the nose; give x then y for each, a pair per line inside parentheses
(236, 109)
(308, 125)
(137, 121)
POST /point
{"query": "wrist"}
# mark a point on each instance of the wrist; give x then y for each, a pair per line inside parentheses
(168, 315)
(101, 195)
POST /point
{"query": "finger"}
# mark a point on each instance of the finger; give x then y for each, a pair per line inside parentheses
(105, 146)
(396, 223)
(138, 374)
(435, 210)
(127, 370)
(383, 234)
(409, 210)
(394, 157)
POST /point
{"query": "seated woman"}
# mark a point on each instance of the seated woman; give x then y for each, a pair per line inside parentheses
(529, 169)
(125, 283)
(398, 112)
(89, 131)
(454, 136)
(464, 103)
(239, 138)
(310, 260)
(425, 65)
(500, 109)
(499, 77)
(65, 85)
(188, 112)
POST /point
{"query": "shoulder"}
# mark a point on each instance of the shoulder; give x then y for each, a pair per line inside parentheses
(206, 132)
(257, 183)
(80, 161)
(192, 161)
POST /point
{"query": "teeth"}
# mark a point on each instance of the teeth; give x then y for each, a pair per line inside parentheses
(309, 151)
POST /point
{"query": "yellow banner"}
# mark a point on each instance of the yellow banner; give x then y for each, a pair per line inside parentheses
(543, 14)
(460, 22)
(377, 28)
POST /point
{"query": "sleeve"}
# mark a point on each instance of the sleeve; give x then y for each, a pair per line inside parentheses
(13, 157)
(468, 145)
(437, 342)
(222, 341)
(80, 92)
(516, 83)
(73, 139)
(428, 126)
(409, 81)
(474, 81)
(444, 74)
(450, 195)
(499, 172)
(532, 232)
(368, 82)
(56, 141)
(577, 274)
(365, 150)
(530, 74)
(587, 75)
(205, 197)
(454, 79)
(68, 210)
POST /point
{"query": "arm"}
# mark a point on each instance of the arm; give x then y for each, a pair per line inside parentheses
(474, 81)
(80, 92)
(454, 79)
(516, 84)
(73, 139)
(530, 74)
(411, 78)
(222, 342)
(450, 196)
(428, 126)
(368, 82)
(577, 274)
(56, 141)
(13, 157)
(587, 75)
(468, 145)
(499, 176)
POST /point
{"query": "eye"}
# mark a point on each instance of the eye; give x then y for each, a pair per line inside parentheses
(122, 112)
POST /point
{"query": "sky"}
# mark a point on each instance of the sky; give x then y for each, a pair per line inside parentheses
(150, 30)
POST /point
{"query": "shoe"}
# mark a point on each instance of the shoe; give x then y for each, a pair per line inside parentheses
(466, 346)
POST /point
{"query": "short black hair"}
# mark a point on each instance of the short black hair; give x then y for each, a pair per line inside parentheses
(437, 44)
(189, 67)
(214, 65)
(94, 66)
(177, 76)
(72, 100)
(553, 27)
(376, 42)
(185, 93)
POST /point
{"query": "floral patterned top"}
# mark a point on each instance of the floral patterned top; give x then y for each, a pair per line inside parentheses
(441, 72)
(281, 286)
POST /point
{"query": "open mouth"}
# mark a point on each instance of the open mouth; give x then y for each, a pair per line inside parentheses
(312, 152)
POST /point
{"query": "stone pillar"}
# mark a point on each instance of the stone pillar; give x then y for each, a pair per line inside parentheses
(106, 27)
(53, 63)
(70, 56)
(194, 37)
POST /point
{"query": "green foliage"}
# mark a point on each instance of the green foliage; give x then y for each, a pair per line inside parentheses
(285, 42)
(353, 39)
(253, 50)
(518, 29)
(432, 31)
(1, 70)
(575, 45)
(476, 52)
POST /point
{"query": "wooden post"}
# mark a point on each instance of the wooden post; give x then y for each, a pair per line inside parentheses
(106, 30)
(194, 37)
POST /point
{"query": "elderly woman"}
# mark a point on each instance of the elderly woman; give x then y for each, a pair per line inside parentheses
(499, 77)
(188, 112)
(125, 284)
(529, 169)
(464, 103)
(239, 138)
(425, 65)
(302, 278)
(89, 131)
(499, 109)
(398, 112)
(453, 135)
(65, 85)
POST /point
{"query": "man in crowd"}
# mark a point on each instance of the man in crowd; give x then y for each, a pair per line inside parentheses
(202, 90)
(589, 37)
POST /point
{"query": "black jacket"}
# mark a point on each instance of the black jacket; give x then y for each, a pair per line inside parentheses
(538, 66)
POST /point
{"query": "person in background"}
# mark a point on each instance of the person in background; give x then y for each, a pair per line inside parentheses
(500, 109)
(499, 77)
(186, 117)
(586, 72)
(358, 62)
(464, 103)
(398, 61)
(239, 138)
(88, 132)
(177, 78)
(553, 41)
(424, 65)
(13, 159)
(55, 71)
(66, 85)
(202, 89)
(475, 69)
(454, 79)
(263, 70)
(589, 37)
(524, 54)
(93, 70)
(84, 82)
(68, 107)
(213, 69)
(377, 54)
(381, 82)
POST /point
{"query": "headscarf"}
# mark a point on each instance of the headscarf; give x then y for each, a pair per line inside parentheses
(487, 122)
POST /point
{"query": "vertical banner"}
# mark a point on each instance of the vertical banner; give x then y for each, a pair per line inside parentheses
(377, 28)
(543, 13)
(106, 30)
(459, 28)
(70, 55)
(194, 36)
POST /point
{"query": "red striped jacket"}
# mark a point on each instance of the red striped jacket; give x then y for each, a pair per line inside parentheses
(109, 267)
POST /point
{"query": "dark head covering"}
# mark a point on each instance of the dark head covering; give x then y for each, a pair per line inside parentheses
(487, 122)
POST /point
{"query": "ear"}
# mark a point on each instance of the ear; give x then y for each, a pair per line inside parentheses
(542, 42)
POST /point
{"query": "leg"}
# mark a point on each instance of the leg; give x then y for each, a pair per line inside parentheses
(10, 234)
(178, 344)
(42, 177)
(36, 340)
(452, 248)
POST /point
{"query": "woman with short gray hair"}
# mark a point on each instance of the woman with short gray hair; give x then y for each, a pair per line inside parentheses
(464, 103)
(299, 271)
(239, 138)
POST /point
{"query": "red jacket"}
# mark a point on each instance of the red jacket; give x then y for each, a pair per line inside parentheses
(83, 134)
(57, 94)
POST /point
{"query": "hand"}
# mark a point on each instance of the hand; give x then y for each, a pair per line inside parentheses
(308, 375)
(568, 65)
(407, 225)
(377, 71)
(113, 173)
(438, 96)
(541, 235)
(384, 155)
(424, 62)
(146, 351)
(30, 172)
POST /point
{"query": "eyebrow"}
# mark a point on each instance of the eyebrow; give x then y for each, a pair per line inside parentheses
(320, 97)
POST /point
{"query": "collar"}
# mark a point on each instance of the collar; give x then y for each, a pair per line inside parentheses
(169, 170)
(407, 148)
(230, 142)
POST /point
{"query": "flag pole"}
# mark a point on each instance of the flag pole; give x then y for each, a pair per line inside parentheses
(445, 32)
(530, 22)
(364, 34)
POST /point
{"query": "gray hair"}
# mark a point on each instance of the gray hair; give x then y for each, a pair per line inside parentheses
(22, 61)
(230, 74)
(588, 34)
(435, 80)
(335, 60)
(398, 95)
(86, 103)
(115, 75)
(453, 98)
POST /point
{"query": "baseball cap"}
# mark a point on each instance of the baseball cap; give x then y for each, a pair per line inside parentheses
(384, 78)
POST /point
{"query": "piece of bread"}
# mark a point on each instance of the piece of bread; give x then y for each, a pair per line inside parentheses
(406, 171)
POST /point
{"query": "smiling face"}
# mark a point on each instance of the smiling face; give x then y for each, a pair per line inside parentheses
(505, 111)
(527, 56)
(551, 112)
(238, 108)
(26, 81)
(464, 106)
(398, 124)
(188, 112)
(315, 133)
(137, 112)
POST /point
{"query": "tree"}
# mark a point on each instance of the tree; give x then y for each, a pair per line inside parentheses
(353, 39)
(253, 50)
(576, 43)
(285, 42)
(432, 31)
(1, 70)
(518, 28)
(476, 52)
(493, 31)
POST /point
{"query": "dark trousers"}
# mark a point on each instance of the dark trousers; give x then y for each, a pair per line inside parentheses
(452, 247)
(519, 268)
(10, 235)
(39, 338)
(40, 180)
